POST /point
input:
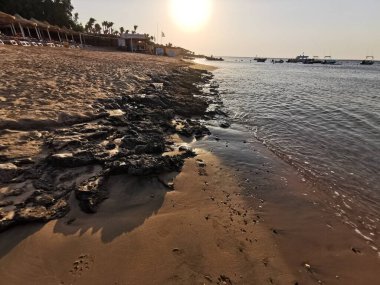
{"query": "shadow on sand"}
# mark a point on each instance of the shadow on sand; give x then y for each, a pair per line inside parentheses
(132, 200)
(12, 237)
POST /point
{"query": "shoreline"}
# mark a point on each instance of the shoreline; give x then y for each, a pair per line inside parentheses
(316, 245)
(200, 66)
(225, 216)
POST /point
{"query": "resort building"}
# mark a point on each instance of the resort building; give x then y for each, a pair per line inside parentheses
(136, 43)
(171, 51)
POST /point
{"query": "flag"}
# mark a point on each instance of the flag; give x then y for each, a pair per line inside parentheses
(162, 35)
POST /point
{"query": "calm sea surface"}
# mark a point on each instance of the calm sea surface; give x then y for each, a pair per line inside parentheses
(323, 120)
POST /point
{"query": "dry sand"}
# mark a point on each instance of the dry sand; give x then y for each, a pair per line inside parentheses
(44, 88)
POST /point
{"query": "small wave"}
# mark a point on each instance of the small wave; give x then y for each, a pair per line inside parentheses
(325, 124)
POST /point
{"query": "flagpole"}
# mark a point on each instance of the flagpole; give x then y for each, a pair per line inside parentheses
(157, 32)
(162, 36)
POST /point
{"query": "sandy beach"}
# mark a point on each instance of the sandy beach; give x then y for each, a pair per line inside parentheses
(147, 230)
(109, 177)
(200, 233)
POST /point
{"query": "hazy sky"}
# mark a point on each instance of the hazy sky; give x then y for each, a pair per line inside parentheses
(273, 28)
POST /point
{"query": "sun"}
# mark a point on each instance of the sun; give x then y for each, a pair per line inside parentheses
(190, 14)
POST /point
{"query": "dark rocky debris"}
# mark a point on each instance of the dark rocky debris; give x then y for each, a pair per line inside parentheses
(130, 137)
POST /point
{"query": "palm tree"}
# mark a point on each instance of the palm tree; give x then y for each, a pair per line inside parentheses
(104, 25)
(97, 28)
(90, 24)
(121, 30)
(127, 31)
(135, 28)
(110, 25)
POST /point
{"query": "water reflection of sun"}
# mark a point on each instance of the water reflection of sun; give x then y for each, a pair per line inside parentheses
(190, 14)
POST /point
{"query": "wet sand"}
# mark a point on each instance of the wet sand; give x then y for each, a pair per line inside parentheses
(199, 233)
(200, 66)
(316, 245)
(235, 214)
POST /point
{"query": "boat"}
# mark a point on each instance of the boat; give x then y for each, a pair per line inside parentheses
(369, 60)
(188, 57)
(299, 59)
(328, 60)
(313, 60)
(277, 61)
(260, 59)
(214, 58)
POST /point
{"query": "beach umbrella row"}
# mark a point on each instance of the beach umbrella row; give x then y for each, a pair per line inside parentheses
(42, 29)
(26, 26)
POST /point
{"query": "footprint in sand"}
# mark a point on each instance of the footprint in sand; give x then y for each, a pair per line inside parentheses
(82, 264)
(201, 167)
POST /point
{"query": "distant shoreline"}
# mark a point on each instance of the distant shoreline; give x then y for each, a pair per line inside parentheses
(199, 66)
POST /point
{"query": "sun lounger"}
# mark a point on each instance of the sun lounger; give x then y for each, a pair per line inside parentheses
(25, 43)
(1, 43)
(50, 45)
(40, 44)
(13, 43)
(34, 44)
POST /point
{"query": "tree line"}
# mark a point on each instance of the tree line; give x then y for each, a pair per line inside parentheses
(60, 13)
(56, 12)
(106, 28)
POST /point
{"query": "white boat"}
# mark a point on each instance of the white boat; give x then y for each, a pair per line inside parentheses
(369, 60)
(328, 60)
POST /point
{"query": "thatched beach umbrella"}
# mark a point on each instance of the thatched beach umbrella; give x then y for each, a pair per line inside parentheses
(22, 22)
(9, 20)
(55, 29)
(42, 25)
(6, 18)
(67, 32)
(72, 33)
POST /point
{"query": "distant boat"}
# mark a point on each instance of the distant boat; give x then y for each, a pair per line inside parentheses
(328, 60)
(188, 57)
(277, 61)
(313, 60)
(369, 60)
(214, 58)
(260, 59)
(299, 59)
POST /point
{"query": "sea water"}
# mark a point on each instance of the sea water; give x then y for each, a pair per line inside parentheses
(322, 119)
